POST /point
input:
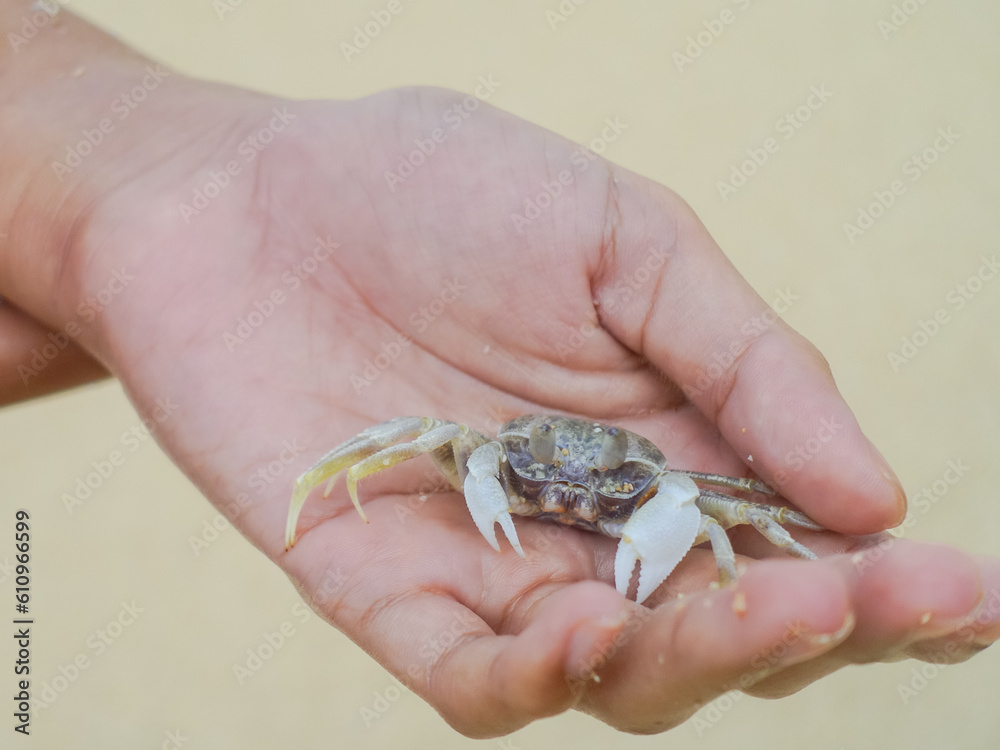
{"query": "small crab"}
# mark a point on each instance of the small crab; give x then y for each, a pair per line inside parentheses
(571, 471)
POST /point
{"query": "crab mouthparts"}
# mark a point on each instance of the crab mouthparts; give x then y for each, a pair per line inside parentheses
(572, 500)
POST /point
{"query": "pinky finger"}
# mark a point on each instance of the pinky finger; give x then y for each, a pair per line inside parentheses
(485, 684)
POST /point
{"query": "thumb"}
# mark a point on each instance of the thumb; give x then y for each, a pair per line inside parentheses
(767, 389)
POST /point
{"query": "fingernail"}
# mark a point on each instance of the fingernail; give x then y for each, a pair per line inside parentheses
(827, 640)
(890, 476)
(932, 625)
(592, 645)
(798, 644)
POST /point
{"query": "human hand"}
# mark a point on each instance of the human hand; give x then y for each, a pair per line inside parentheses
(499, 317)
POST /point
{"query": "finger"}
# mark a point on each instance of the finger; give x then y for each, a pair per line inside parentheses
(485, 684)
(766, 388)
(911, 599)
(483, 637)
(35, 360)
(978, 631)
(682, 655)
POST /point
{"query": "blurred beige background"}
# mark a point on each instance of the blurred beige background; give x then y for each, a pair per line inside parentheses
(697, 85)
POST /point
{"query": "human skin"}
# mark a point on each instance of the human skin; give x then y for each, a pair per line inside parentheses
(525, 637)
(25, 372)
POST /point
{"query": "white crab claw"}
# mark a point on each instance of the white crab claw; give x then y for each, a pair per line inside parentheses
(658, 535)
(485, 497)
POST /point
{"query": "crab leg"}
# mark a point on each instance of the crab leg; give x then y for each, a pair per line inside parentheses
(658, 535)
(725, 558)
(485, 497)
(365, 454)
(767, 519)
(730, 511)
(743, 484)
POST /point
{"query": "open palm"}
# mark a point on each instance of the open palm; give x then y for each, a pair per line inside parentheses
(421, 253)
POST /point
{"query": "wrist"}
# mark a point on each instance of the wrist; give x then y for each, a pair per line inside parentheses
(82, 117)
(53, 78)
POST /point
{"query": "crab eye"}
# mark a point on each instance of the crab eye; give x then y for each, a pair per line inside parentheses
(614, 447)
(542, 443)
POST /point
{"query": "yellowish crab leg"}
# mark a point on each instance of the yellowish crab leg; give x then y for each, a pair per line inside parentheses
(425, 443)
(367, 453)
(725, 559)
(730, 512)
